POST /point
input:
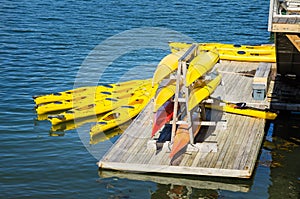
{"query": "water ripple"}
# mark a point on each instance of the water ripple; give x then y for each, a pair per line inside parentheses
(42, 46)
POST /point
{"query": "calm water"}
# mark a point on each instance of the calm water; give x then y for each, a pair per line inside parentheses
(43, 46)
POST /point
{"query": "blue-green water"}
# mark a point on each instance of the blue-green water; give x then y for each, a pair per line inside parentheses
(43, 47)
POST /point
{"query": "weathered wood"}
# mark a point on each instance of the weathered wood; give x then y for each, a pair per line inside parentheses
(285, 27)
(283, 17)
(295, 40)
(261, 80)
(237, 145)
(175, 169)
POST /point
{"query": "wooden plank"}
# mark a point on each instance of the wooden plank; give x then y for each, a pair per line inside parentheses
(161, 157)
(257, 130)
(234, 135)
(243, 145)
(137, 147)
(211, 136)
(125, 139)
(271, 11)
(233, 151)
(174, 169)
(283, 27)
(295, 40)
(250, 162)
(222, 138)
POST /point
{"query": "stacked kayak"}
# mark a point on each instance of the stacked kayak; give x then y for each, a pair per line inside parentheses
(112, 104)
(82, 96)
(198, 80)
(122, 114)
(233, 52)
(116, 104)
(200, 93)
(85, 91)
(100, 106)
(166, 66)
(164, 93)
(199, 66)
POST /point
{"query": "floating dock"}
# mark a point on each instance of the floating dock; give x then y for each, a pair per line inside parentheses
(228, 150)
(231, 147)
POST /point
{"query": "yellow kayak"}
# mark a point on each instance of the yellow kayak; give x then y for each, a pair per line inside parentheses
(82, 101)
(102, 106)
(177, 46)
(166, 66)
(122, 114)
(200, 65)
(198, 94)
(86, 91)
(164, 94)
(247, 56)
(71, 124)
(247, 111)
(233, 52)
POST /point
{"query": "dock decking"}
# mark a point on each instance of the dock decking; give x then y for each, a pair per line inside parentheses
(238, 144)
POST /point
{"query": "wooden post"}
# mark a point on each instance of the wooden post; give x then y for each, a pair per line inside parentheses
(181, 72)
(176, 101)
(188, 113)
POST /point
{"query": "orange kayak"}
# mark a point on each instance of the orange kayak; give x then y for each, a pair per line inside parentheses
(182, 139)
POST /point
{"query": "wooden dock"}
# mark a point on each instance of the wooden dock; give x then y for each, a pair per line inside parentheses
(237, 143)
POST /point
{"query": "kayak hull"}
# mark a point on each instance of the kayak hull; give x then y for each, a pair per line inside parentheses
(166, 66)
(182, 138)
(101, 106)
(87, 92)
(122, 114)
(164, 94)
(163, 115)
(198, 94)
(200, 65)
(232, 108)
(233, 52)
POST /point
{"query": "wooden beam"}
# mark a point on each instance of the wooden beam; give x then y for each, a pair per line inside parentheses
(295, 40)
(283, 27)
(187, 170)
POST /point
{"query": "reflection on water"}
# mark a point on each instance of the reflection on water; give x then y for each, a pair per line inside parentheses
(285, 165)
(178, 186)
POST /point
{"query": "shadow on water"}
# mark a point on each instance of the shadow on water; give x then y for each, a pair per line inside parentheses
(283, 145)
